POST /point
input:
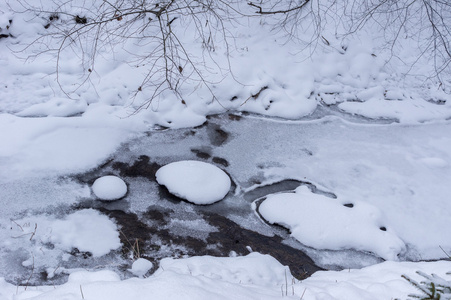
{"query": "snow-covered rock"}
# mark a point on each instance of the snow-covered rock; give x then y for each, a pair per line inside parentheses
(140, 267)
(195, 181)
(109, 188)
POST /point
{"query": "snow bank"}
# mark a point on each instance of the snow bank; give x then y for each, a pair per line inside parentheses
(235, 278)
(195, 181)
(324, 223)
(269, 75)
(109, 188)
(253, 269)
(255, 276)
(381, 281)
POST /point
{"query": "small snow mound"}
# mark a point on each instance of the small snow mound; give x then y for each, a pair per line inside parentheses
(194, 181)
(140, 267)
(109, 188)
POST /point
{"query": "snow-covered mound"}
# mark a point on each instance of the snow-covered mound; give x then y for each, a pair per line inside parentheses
(109, 188)
(140, 267)
(195, 181)
(326, 223)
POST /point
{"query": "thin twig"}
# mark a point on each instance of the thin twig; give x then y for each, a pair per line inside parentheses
(31, 275)
(275, 12)
(81, 291)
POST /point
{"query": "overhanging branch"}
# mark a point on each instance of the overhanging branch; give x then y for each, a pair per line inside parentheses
(262, 12)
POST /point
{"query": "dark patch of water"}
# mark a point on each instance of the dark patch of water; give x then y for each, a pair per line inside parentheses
(220, 161)
(228, 237)
(140, 168)
(232, 237)
(216, 134)
(204, 153)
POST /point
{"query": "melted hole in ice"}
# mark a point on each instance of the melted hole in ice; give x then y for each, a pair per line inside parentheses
(216, 134)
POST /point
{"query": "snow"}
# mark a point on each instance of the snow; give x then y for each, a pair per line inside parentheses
(324, 223)
(109, 188)
(382, 281)
(253, 269)
(367, 126)
(140, 267)
(255, 276)
(86, 230)
(195, 181)
(36, 147)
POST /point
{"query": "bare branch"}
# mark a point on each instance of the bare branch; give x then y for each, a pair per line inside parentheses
(285, 11)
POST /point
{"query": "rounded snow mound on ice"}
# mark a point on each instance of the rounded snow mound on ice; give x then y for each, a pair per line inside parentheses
(194, 181)
(109, 188)
(323, 223)
(141, 266)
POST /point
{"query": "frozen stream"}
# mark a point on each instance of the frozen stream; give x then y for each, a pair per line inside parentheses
(402, 171)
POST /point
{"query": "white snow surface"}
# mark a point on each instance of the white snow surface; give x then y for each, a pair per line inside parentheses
(195, 181)
(254, 276)
(396, 176)
(109, 188)
(140, 267)
(325, 223)
(87, 230)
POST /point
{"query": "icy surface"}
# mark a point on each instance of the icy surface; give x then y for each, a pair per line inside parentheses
(43, 147)
(397, 169)
(325, 223)
(109, 188)
(195, 181)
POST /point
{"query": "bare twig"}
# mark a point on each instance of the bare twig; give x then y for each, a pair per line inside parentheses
(31, 275)
(275, 12)
(34, 232)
